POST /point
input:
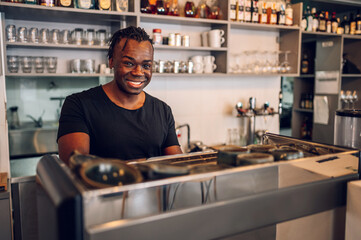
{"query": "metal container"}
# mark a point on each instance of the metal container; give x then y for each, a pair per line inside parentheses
(348, 128)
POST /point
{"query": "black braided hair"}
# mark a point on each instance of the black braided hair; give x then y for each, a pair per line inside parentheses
(131, 32)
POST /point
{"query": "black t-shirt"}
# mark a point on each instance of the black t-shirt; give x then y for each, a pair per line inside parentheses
(116, 132)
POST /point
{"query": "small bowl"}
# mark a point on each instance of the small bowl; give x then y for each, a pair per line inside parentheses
(108, 173)
(227, 154)
(254, 158)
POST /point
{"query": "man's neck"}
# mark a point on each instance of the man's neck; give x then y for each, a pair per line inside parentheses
(122, 99)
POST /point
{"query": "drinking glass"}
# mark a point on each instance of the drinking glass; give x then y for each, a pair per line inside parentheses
(22, 34)
(87, 66)
(101, 36)
(54, 36)
(11, 33)
(65, 37)
(77, 36)
(89, 37)
(75, 66)
(26, 64)
(33, 35)
(13, 64)
(44, 35)
(39, 64)
(285, 66)
(51, 64)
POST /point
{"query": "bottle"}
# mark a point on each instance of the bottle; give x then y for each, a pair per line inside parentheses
(247, 10)
(271, 12)
(35, 2)
(262, 10)
(160, 8)
(305, 64)
(241, 10)
(157, 36)
(309, 19)
(122, 5)
(322, 22)
(346, 25)
(352, 24)
(304, 21)
(203, 9)
(233, 10)
(315, 22)
(340, 28)
(84, 4)
(65, 3)
(289, 13)
(255, 14)
(48, 3)
(190, 9)
(173, 8)
(281, 14)
(102, 4)
(334, 23)
(328, 23)
(358, 23)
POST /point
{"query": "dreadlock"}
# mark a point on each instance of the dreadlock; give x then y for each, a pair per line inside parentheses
(131, 32)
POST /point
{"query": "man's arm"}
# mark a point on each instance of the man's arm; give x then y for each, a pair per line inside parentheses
(171, 150)
(73, 141)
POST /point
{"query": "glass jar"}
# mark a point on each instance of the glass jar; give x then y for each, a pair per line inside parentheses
(157, 37)
(190, 9)
(84, 4)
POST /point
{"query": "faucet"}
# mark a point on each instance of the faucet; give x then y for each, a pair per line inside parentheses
(188, 134)
(60, 99)
(38, 122)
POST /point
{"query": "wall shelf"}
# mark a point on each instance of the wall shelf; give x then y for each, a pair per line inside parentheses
(51, 45)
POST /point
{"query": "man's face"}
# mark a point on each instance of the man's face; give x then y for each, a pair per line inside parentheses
(132, 66)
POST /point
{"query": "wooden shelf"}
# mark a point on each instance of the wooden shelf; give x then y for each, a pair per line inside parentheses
(41, 75)
(303, 110)
(181, 48)
(351, 75)
(152, 18)
(61, 14)
(51, 45)
(306, 76)
(262, 27)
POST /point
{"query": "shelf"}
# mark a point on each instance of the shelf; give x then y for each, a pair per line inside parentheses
(264, 74)
(189, 74)
(306, 76)
(166, 47)
(351, 75)
(41, 75)
(262, 27)
(312, 36)
(303, 110)
(349, 36)
(19, 11)
(51, 45)
(152, 18)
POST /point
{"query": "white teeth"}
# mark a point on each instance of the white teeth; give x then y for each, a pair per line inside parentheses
(135, 83)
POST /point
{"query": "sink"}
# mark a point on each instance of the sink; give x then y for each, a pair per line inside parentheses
(30, 141)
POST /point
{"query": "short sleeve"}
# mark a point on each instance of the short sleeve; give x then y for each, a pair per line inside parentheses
(72, 117)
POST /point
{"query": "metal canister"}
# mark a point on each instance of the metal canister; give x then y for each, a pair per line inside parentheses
(178, 39)
(161, 66)
(190, 66)
(176, 66)
(186, 41)
(171, 39)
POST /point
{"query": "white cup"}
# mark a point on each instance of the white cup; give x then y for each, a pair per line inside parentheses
(198, 67)
(208, 59)
(215, 38)
(197, 59)
(204, 39)
(209, 67)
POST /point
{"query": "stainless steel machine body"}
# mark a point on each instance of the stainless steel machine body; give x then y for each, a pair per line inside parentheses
(208, 205)
(348, 128)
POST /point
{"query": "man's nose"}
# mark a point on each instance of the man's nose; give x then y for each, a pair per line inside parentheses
(138, 70)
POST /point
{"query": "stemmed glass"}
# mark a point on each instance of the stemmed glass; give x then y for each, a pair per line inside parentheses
(285, 66)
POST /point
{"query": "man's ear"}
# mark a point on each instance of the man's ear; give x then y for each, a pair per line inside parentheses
(111, 63)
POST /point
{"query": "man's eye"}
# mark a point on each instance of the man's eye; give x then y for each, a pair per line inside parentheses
(147, 66)
(128, 64)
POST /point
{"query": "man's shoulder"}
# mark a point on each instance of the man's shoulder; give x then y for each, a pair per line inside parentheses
(155, 100)
(89, 93)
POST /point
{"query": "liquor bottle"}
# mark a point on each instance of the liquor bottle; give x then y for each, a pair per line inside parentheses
(271, 12)
(84, 4)
(104, 4)
(309, 19)
(160, 8)
(314, 20)
(241, 10)
(334, 23)
(262, 10)
(35, 2)
(304, 21)
(322, 22)
(346, 25)
(247, 10)
(255, 14)
(328, 23)
(65, 3)
(281, 14)
(340, 28)
(305, 64)
(352, 24)
(48, 3)
(233, 10)
(358, 23)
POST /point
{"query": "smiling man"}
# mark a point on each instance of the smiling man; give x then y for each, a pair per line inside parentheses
(119, 119)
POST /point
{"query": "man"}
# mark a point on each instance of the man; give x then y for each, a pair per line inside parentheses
(119, 119)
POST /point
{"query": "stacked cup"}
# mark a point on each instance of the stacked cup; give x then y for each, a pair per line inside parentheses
(197, 64)
(208, 64)
(213, 38)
